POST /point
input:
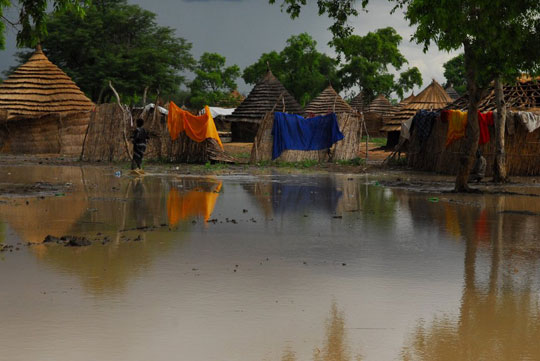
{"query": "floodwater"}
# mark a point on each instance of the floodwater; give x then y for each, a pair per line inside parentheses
(275, 267)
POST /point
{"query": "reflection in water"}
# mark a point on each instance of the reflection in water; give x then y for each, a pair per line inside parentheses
(499, 318)
(335, 347)
(197, 202)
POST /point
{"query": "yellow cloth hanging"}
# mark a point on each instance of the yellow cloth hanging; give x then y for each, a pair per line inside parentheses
(457, 123)
(197, 127)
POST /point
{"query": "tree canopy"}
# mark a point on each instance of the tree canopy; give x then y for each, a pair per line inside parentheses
(300, 67)
(120, 43)
(214, 83)
(368, 61)
(31, 25)
(454, 72)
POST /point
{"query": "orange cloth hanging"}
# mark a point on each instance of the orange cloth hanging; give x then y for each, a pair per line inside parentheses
(195, 203)
(457, 123)
(197, 128)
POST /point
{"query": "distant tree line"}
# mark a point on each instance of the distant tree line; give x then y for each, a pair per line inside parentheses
(111, 40)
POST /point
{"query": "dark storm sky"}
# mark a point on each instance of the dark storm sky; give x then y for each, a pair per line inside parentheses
(243, 29)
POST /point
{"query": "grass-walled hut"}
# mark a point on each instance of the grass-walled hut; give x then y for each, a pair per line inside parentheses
(42, 111)
(433, 97)
(521, 147)
(262, 99)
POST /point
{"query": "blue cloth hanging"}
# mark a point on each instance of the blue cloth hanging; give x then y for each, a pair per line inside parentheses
(294, 132)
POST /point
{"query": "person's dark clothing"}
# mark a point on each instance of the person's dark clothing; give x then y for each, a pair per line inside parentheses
(139, 139)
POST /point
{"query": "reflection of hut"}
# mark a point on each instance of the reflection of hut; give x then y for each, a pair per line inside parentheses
(377, 113)
(44, 111)
(267, 95)
(431, 98)
(521, 147)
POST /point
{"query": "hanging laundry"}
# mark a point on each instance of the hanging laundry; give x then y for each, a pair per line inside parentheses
(484, 120)
(197, 127)
(457, 123)
(423, 122)
(530, 120)
(294, 132)
(405, 131)
(445, 115)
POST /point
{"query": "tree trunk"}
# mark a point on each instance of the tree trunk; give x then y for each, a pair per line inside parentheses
(499, 166)
(472, 131)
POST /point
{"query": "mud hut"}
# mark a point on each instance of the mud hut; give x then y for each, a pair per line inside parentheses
(263, 98)
(42, 110)
(521, 146)
(433, 97)
(376, 113)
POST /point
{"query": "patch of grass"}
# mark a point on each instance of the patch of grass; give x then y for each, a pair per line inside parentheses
(243, 155)
(379, 141)
(353, 162)
(397, 162)
(214, 166)
(308, 163)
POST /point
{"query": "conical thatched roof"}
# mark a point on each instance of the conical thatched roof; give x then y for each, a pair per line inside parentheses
(262, 99)
(433, 97)
(328, 101)
(406, 101)
(358, 103)
(39, 87)
(381, 105)
(452, 92)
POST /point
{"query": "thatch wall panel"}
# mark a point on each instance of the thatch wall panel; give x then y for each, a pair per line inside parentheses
(522, 151)
(346, 149)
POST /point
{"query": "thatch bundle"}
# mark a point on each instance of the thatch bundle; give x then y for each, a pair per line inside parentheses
(433, 97)
(345, 149)
(108, 135)
(263, 98)
(522, 148)
(43, 111)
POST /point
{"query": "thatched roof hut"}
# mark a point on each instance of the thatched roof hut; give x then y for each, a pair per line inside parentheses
(358, 103)
(381, 105)
(433, 97)
(521, 147)
(263, 98)
(44, 110)
(406, 101)
(452, 92)
(329, 101)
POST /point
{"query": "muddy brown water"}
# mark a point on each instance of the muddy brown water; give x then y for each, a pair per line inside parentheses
(275, 267)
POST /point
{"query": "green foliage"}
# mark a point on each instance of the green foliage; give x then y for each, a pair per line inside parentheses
(303, 70)
(495, 34)
(32, 22)
(454, 72)
(368, 61)
(120, 43)
(214, 82)
(339, 11)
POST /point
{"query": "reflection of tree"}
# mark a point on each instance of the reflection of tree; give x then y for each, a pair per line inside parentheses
(335, 346)
(498, 320)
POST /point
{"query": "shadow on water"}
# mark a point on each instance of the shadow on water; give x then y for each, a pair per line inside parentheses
(499, 316)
